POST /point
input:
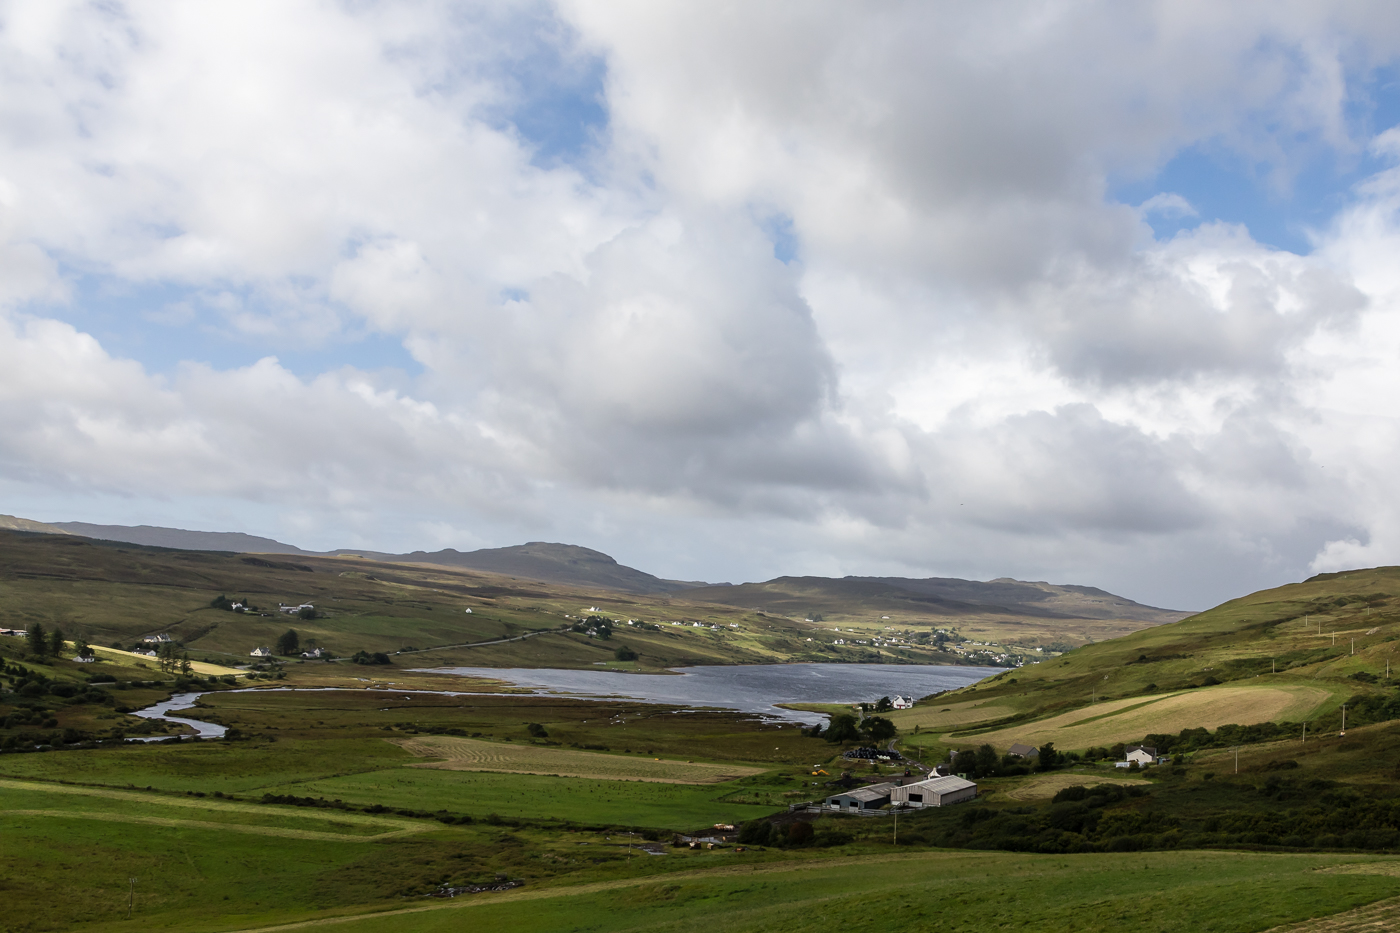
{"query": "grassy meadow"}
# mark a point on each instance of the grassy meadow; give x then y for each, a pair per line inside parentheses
(348, 805)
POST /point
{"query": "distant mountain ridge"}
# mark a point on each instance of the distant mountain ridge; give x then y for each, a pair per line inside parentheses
(933, 596)
(573, 565)
(567, 564)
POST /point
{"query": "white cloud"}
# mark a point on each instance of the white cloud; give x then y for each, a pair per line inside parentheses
(976, 363)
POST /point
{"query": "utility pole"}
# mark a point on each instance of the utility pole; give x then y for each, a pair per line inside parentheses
(1344, 720)
(1353, 646)
(1273, 665)
(1305, 733)
(130, 897)
(896, 826)
(1237, 759)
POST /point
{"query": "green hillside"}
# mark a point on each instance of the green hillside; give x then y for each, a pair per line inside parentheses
(115, 594)
(1290, 654)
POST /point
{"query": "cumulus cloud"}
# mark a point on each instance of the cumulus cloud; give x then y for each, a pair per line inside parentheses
(835, 288)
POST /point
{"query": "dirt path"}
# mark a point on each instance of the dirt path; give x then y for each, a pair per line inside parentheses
(392, 826)
(531, 894)
(205, 824)
(1379, 917)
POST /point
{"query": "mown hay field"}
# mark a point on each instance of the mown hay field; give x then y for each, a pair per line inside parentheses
(935, 715)
(1046, 786)
(1127, 720)
(472, 755)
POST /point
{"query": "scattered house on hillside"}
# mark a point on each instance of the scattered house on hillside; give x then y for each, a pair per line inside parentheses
(935, 792)
(1144, 755)
(293, 610)
(469, 612)
(1019, 750)
(260, 653)
(902, 702)
(149, 654)
(315, 654)
(871, 797)
(161, 639)
(82, 660)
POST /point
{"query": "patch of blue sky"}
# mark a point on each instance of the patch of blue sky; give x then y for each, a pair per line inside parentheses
(554, 92)
(1281, 205)
(779, 230)
(161, 325)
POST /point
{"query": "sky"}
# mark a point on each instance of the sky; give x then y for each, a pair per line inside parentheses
(1086, 292)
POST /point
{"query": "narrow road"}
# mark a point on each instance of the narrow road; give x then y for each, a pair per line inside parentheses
(480, 644)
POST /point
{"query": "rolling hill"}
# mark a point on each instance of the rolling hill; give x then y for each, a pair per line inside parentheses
(1004, 609)
(1288, 654)
(565, 564)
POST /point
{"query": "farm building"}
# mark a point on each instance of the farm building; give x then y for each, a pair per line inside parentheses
(1018, 750)
(871, 797)
(161, 639)
(903, 702)
(935, 792)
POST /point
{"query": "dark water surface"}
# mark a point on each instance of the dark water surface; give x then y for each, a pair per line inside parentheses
(751, 688)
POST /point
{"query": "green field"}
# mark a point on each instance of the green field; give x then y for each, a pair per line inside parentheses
(74, 874)
(346, 808)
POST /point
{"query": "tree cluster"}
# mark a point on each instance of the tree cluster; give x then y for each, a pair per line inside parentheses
(594, 626)
(364, 657)
(846, 728)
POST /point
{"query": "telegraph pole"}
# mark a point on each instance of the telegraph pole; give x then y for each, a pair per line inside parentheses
(130, 897)
(1237, 759)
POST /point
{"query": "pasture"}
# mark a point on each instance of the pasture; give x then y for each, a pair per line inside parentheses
(1128, 719)
(537, 797)
(1045, 786)
(1185, 893)
(459, 754)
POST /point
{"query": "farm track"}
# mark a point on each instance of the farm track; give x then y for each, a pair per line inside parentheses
(217, 827)
(530, 894)
(394, 828)
(472, 755)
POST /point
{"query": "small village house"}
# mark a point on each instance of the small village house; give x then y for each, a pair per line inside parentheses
(903, 702)
(260, 653)
(161, 639)
(1019, 750)
(1144, 755)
